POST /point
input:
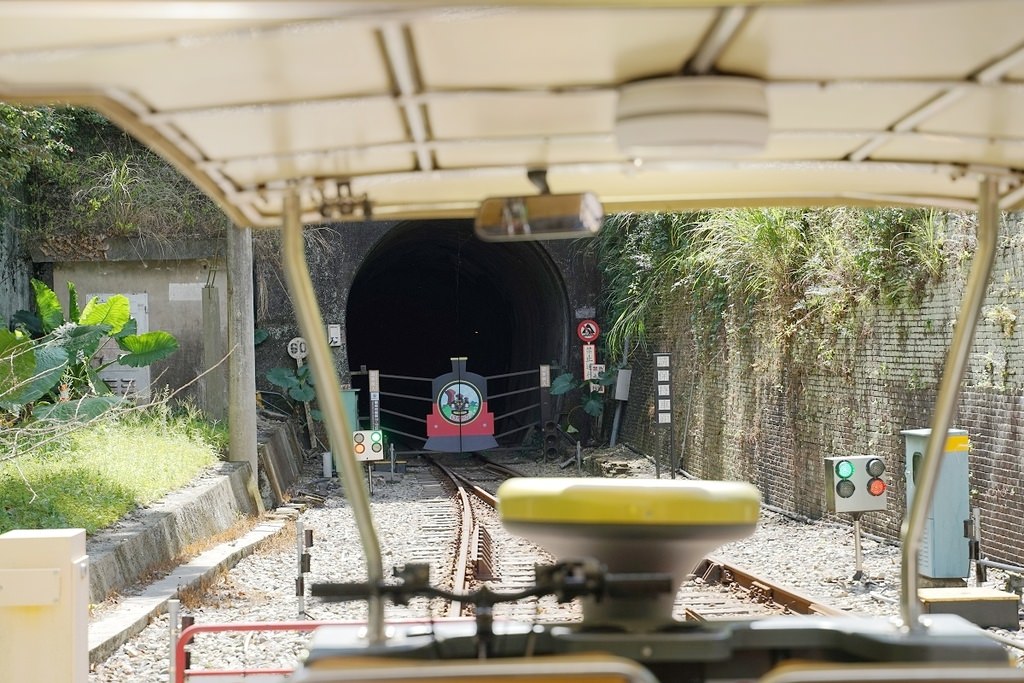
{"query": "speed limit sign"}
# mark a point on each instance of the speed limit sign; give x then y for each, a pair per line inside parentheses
(297, 348)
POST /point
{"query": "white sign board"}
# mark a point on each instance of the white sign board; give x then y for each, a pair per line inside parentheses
(334, 335)
(595, 373)
(663, 387)
(589, 358)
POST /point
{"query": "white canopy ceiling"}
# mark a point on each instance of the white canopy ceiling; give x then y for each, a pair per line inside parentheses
(426, 110)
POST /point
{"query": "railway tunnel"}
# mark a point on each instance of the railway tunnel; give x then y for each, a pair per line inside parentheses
(429, 291)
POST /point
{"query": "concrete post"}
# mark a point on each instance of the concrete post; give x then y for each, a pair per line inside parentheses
(214, 398)
(44, 606)
(242, 363)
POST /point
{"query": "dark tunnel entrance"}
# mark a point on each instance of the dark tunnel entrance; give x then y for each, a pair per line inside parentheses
(430, 291)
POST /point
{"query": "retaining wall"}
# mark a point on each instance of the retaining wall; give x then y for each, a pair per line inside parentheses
(743, 411)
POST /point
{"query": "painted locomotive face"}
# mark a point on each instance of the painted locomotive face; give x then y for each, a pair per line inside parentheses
(459, 402)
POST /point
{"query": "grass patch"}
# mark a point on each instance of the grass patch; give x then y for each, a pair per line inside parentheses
(96, 474)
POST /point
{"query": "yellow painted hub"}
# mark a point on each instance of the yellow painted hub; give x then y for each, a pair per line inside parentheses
(628, 501)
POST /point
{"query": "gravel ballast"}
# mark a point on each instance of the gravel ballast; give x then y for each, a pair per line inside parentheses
(815, 557)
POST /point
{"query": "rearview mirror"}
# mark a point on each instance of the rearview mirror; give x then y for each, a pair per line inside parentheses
(539, 217)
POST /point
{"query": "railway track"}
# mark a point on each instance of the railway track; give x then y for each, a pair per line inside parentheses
(717, 589)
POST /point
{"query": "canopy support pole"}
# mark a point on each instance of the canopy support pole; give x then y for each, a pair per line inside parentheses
(946, 400)
(328, 395)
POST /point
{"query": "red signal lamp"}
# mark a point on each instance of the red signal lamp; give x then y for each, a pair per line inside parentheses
(876, 487)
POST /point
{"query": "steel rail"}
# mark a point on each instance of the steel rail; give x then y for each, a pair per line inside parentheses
(465, 540)
(789, 598)
(477, 490)
(497, 467)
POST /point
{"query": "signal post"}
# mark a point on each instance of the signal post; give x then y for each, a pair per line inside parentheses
(854, 485)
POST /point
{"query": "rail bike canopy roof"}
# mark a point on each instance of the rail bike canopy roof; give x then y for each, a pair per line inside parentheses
(419, 110)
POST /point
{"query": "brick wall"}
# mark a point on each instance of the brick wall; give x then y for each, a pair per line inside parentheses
(745, 410)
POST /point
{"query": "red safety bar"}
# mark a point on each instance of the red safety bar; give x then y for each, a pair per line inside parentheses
(186, 635)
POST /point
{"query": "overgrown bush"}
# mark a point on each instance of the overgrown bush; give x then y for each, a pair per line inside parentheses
(790, 268)
(82, 177)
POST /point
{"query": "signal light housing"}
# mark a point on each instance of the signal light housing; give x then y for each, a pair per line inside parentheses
(854, 484)
(550, 440)
(368, 444)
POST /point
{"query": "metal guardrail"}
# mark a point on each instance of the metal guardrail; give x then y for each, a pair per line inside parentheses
(512, 415)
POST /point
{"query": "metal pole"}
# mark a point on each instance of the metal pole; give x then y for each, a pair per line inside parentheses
(300, 584)
(672, 451)
(307, 312)
(309, 414)
(945, 401)
(619, 404)
(172, 631)
(858, 563)
(980, 571)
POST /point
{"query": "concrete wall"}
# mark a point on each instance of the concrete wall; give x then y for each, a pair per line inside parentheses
(173, 277)
(15, 270)
(749, 412)
(332, 269)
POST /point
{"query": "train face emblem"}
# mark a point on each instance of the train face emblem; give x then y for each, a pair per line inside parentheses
(459, 402)
(459, 421)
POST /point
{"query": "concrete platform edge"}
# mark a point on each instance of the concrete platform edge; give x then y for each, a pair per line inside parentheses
(134, 613)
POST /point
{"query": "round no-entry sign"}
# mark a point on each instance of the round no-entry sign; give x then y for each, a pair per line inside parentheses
(587, 330)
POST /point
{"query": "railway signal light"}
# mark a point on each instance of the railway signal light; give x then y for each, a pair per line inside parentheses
(855, 484)
(550, 439)
(368, 444)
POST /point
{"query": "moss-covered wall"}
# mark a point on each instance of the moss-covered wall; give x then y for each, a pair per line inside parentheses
(770, 411)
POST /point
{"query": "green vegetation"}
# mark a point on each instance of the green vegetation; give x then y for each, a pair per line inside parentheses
(29, 139)
(787, 269)
(591, 400)
(91, 476)
(47, 363)
(78, 177)
(71, 453)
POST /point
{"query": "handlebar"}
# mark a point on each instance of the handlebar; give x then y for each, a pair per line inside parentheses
(565, 581)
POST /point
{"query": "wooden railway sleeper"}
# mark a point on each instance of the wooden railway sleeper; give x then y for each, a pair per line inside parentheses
(483, 555)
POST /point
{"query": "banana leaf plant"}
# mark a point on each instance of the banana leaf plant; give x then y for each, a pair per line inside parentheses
(591, 400)
(48, 361)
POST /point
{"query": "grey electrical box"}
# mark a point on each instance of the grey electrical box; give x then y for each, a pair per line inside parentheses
(622, 378)
(945, 550)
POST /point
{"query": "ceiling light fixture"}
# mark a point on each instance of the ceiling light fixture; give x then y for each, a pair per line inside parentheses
(692, 117)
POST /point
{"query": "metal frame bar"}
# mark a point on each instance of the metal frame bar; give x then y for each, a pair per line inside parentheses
(491, 397)
(311, 326)
(948, 394)
(520, 373)
(403, 416)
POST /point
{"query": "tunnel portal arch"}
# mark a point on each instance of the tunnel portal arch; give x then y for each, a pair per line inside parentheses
(431, 291)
